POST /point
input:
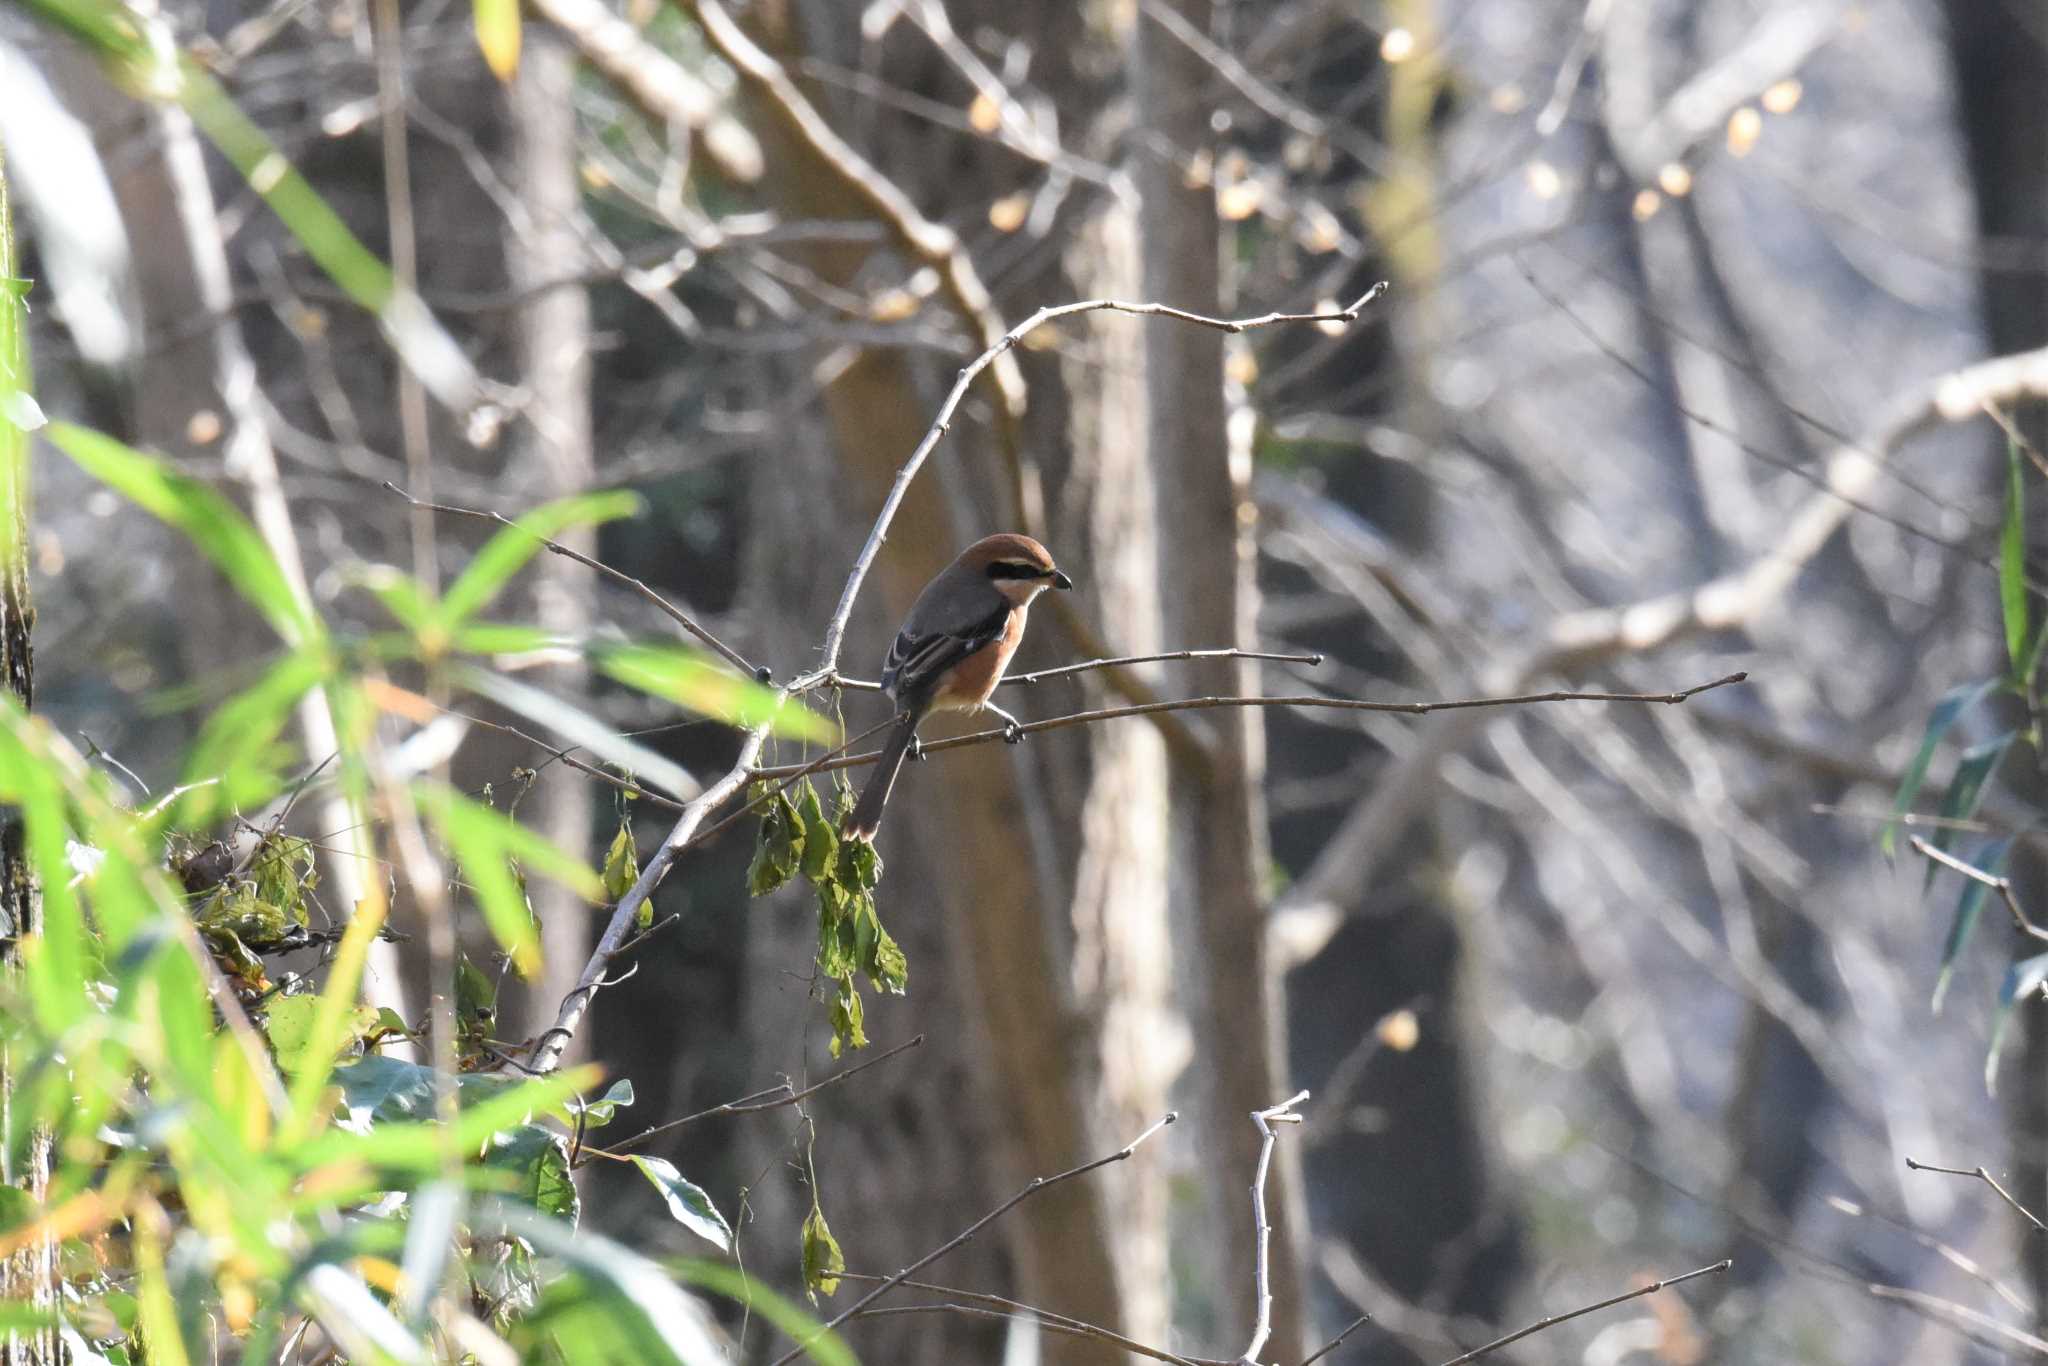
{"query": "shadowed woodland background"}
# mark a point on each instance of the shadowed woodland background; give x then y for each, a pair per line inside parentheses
(1584, 993)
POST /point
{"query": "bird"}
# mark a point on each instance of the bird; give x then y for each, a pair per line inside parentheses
(951, 652)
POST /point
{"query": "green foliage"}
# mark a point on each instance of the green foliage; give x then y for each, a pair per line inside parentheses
(2025, 637)
(800, 838)
(823, 1261)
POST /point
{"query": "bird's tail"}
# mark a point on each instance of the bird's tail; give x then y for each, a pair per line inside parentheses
(866, 816)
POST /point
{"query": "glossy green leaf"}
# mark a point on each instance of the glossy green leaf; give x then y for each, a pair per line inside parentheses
(289, 1024)
(1965, 793)
(497, 36)
(2012, 562)
(507, 552)
(208, 520)
(600, 1112)
(687, 1201)
(1989, 860)
(708, 687)
(1940, 721)
(2023, 979)
(537, 1161)
(378, 1092)
(626, 1309)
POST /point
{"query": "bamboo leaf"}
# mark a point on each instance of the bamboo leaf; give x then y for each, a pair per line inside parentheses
(2012, 562)
(497, 35)
(1940, 721)
(507, 552)
(1965, 793)
(2022, 979)
(1969, 908)
(696, 683)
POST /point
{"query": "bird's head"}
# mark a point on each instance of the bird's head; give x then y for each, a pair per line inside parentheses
(1019, 567)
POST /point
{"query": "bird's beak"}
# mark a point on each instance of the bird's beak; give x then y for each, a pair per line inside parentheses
(1061, 581)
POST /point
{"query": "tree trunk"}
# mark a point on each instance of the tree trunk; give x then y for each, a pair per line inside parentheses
(1210, 598)
(553, 457)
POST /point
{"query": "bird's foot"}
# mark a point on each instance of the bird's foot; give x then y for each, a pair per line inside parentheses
(915, 753)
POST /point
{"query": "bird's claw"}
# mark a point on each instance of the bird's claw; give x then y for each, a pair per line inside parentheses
(1013, 734)
(915, 753)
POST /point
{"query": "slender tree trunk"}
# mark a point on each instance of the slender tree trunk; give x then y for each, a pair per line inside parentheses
(31, 1273)
(554, 455)
(1210, 598)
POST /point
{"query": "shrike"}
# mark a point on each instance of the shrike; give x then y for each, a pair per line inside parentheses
(953, 649)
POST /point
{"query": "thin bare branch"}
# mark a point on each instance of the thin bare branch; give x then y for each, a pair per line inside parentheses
(774, 1098)
(1031, 1188)
(1265, 1119)
(1988, 1179)
(1552, 1320)
(2000, 885)
(1087, 664)
(1082, 718)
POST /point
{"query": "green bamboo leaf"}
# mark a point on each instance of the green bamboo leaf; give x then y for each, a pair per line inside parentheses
(485, 840)
(1940, 721)
(508, 551)
(497, 35)
(687, 1201)
(1965, 793)
(2022, 979)
(580, 729)
(2012, 562)
(696, 683)
(206, 518)
(1989, 860)
(239, 758)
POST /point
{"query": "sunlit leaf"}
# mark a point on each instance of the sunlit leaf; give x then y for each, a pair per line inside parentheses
(687, 1201)
(497, 35)
(1969, 907)
(700, 684)
(2012, 561)
(580, 730)
(822, 1259)
(1940, 720)
(2022, 980)
(434, 1212)
(485, 840)
(207, 519)
(509, 549)
(622, 866)
(537, 1159)
(600, 1112)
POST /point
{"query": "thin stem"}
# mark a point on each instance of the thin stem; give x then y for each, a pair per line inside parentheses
(774, 1098)
(1283, 1113)
(1001, 1307)
(2001, 885)
(1088, 664)
(1082, 718)
(1031, 1188)
(1551, 1321)
(1988, 1179)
